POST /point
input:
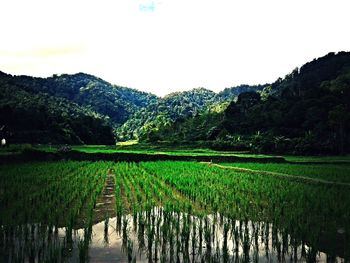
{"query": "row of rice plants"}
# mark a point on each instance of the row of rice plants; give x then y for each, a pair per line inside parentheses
(232, 195)
(171, 211)
(29, 225)
(305, 211)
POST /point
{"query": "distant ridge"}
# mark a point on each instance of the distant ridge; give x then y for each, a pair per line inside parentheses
(307, 108)
(306, 112)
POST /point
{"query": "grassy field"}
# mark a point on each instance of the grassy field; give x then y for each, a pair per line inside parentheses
(330, 171)
(319, 159)
(143, 148)
(171, 210)
(169, 151)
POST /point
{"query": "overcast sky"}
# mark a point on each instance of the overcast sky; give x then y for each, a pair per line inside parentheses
(170, 45)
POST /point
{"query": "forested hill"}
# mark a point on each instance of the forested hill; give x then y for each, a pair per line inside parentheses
(175, 107)
(231, 93)
(77, 108)
(117, 103)
(82, 108)
(28, 117)
(166, 110)
(308, 111)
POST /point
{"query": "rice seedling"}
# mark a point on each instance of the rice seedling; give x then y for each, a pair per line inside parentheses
(170, 211)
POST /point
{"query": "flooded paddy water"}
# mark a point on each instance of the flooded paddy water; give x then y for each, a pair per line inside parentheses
(159, 236)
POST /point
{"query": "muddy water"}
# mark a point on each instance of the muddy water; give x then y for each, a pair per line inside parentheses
(107, 244)
(158, 236)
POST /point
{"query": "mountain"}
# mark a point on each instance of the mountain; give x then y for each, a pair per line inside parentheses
(117, 103)
(66, 108)
(305, 112)
(176, 107)
(39, 118)
(135, 114)
(164, 111)
(231, 93)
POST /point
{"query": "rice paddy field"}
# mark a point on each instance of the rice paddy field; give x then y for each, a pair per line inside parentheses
(168, 211)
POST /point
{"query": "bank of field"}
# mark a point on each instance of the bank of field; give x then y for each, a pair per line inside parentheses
(167, 210)
(328, 171)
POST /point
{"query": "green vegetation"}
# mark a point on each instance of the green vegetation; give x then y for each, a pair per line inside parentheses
(83, 109)
(179, 211)
(318, 159)
(149, 149)
(73, 109)
(330, 171)
(145, 123)
(177, 107)
(53, 193)
(135, 148)
(307, 112)
(39, 118)
(128, 147)
(167, 210)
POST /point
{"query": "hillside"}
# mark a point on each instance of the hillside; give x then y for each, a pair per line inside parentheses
(40, 118)
(66, 109)
(137, 114)
(305, 112)
(175, 108)
(117, 103)
(232, 93)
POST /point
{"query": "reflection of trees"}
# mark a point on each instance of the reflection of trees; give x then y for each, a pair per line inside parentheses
(179, 237)
(165, 236)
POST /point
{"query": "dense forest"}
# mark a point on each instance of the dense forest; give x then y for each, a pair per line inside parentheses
(307, 111)
(178, 106)
(72, 109)
(164, 112)
(83, 109)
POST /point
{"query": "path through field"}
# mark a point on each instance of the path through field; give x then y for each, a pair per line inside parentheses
(105, 204)
(289, 176)
(105, 241)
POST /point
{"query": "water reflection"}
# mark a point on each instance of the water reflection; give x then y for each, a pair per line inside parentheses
(158, 235)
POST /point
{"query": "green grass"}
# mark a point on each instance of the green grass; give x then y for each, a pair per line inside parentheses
(330, 171)
(327, 159)
(51, 192)
(133, 147)
(153, 150)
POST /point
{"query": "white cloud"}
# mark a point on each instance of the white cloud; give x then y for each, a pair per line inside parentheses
(163, 46)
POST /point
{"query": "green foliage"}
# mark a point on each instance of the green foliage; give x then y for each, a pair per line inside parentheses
(329, 172)
(118, 103)
(75, 109)
(171, 210)
(175, 106)
(164, 119)
(115, 102)
(230, 93)
(307, 112)
(50, 193)
(40, 118)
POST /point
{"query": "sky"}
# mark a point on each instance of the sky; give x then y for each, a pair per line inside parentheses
(163, 46)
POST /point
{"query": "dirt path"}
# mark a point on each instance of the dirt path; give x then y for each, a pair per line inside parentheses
(294, 177)
(105, 204)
